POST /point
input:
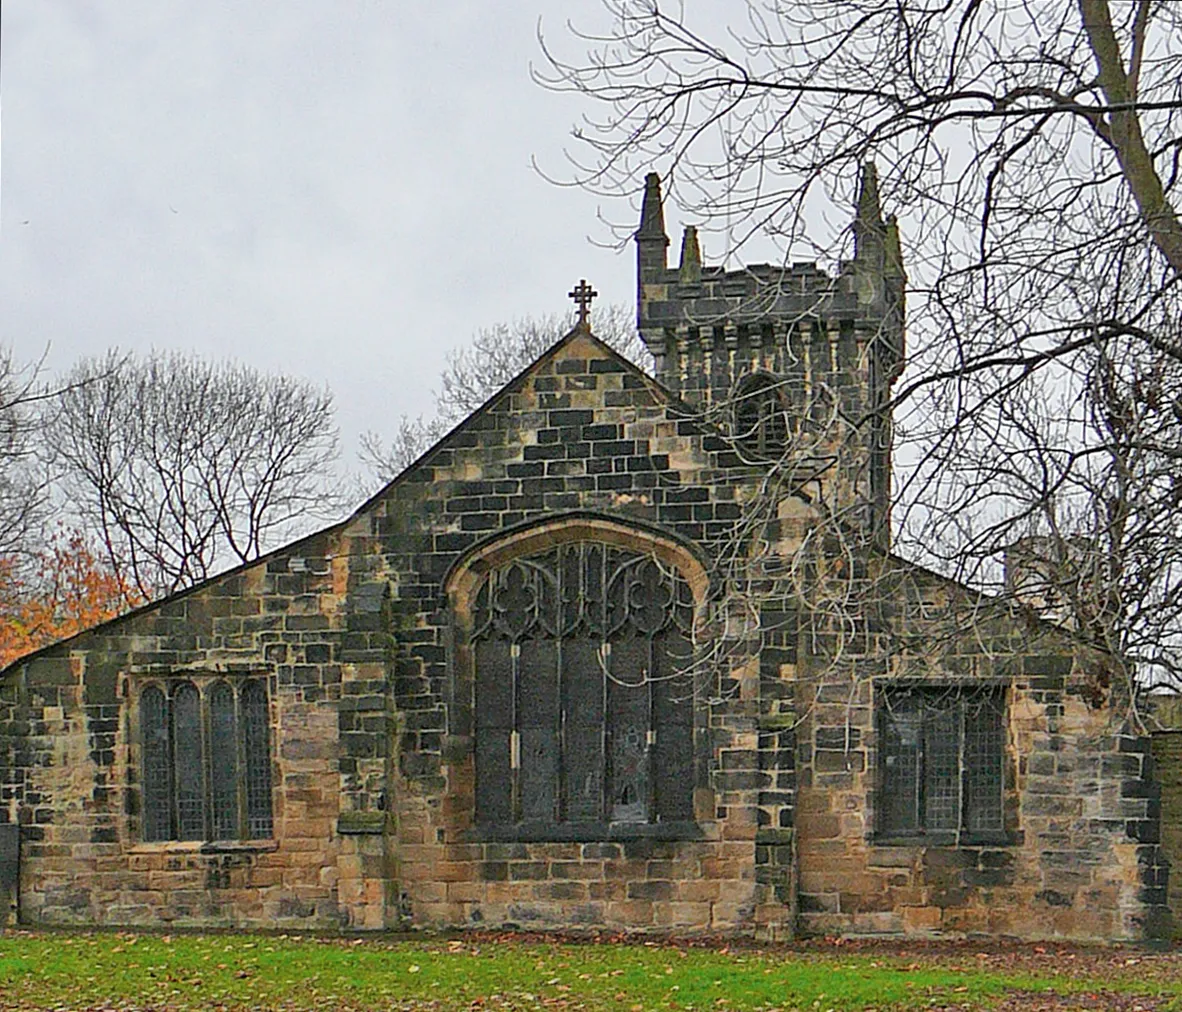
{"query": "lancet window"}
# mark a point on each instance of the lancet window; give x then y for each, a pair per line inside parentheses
(206, 760)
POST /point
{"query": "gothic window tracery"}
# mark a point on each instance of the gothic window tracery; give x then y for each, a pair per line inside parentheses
(583, 694)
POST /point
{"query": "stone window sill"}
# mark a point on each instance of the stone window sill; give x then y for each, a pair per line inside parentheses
(204, 846)
(585, 832)
(947, 840)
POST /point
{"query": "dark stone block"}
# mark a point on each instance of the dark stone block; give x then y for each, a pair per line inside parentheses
(1144, 830)
(545, 451)
(527, 870)
(465, 504)
(949, 858)
(1139, 789)
(494, 871)
(810, 904)
(599, 432)
(650, 890)
(605, 365)
(1120, 766)
(480, 521)
(614, 448)
(568, 418)
(317, 653)
(1048, 664)
(100, 682)
(742, 781)
(10, 842)
(988, 878)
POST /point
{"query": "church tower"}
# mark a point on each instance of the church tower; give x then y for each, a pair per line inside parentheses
(793, 361)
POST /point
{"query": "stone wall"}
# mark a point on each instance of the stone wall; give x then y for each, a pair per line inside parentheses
(582, 437)
(1079, 857)
(356, 632)
(71, 772)
(353, 630)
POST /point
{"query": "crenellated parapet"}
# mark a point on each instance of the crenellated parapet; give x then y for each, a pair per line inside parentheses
(689, 310)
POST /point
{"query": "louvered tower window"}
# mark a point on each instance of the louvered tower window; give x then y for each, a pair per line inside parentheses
(761, 424)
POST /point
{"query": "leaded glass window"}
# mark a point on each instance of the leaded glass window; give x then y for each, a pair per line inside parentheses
(157, 781)
(256, 724)
(583, 689)
(942, 762)
(188, 769)
(223, 761)
(206, 760)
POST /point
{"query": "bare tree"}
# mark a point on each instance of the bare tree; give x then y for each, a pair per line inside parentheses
(1032, 150)
(496, 354)
(476, 371)
(990, 115)
(181, 466)
(412, 439)
(24, 498)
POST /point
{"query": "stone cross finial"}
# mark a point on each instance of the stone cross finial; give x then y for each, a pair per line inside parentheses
(583, 293)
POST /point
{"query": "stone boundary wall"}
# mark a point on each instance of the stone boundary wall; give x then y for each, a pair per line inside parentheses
(1167, 758)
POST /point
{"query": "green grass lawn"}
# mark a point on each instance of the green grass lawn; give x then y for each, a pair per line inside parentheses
(112, 971)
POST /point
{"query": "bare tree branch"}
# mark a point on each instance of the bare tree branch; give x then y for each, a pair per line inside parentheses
(183, 467)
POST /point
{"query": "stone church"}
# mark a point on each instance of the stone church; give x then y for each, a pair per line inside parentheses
(619, 652)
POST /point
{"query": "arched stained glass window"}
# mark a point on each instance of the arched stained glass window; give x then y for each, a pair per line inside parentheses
(584, 690)
(256, 736)
(223, 761)
(188, 769)
(157, 766)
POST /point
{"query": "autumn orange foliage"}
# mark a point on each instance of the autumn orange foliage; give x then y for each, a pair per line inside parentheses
(67, 590)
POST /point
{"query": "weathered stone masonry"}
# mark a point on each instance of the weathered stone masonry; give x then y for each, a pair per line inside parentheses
(584, 438)
(373, 788)
(362, 636)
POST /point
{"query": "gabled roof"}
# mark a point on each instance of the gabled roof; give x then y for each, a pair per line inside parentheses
(515, 384)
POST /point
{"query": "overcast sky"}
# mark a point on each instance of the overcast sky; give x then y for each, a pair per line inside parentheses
(340, 190)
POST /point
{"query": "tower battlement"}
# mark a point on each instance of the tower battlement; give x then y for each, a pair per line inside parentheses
(690, 311)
